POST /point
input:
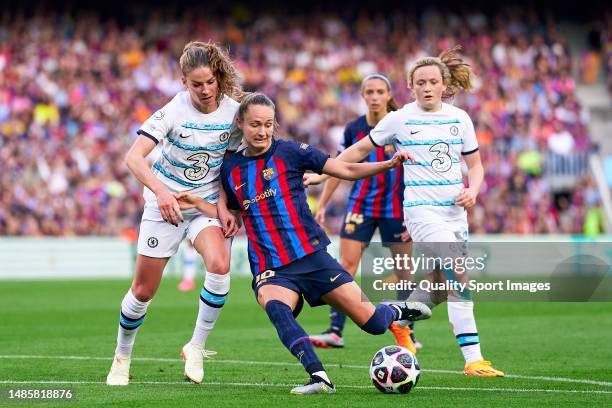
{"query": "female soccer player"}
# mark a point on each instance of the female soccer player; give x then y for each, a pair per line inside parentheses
(286, 246)
(195, 129)
(374, 202)
(435, 199)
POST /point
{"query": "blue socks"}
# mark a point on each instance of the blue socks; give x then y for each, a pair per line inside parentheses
(380, 320)
(337, 320)
(293, 336)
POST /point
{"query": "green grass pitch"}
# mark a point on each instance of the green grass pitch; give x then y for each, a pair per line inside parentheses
(555, 354)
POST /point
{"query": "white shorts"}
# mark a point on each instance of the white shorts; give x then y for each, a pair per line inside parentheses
(439, 231)
(160, 239)
(439, 239)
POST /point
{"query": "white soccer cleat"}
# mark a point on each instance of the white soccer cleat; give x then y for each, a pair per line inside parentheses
(411, 311)
(119, 373)
(316, 385)
(194, 355)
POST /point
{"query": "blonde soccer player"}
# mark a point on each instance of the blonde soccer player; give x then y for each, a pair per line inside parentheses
(437, 135)
(195, 130)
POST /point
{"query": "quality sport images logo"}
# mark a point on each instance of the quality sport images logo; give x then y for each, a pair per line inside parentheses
(271, 192)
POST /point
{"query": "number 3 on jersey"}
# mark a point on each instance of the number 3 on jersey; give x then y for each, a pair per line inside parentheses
(199, 169)
(443, 160)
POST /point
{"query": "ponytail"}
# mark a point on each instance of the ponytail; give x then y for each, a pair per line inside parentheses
(456, 74)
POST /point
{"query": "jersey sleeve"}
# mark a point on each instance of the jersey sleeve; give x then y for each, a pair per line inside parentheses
(232, 201)
(385, 131)
(470, 143)
(235, 138)
(309, 158)
(158, 125)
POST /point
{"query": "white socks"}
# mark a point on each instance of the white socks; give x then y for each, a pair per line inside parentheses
(212, 298)
(132, 315)
(461, 317)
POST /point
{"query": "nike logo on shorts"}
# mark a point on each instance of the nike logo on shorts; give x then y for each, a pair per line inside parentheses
(184, 137)
(412, 132)
(332, 280)
(397, 235)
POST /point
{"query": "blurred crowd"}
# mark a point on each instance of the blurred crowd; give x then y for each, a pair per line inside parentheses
(73, 92)
(603, 29)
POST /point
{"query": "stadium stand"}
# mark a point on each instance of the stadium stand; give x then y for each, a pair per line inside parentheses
(73, 91)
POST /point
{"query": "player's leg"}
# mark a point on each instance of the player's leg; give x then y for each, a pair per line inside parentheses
(209, 242)
(461, 310)
(279, 303)
(402, 331)
(349, 298)
(189, 267)
(157, 241)
(460, 305)
(350, 256)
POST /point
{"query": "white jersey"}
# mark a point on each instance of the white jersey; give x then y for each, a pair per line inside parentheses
(436, 140)
(193, 145)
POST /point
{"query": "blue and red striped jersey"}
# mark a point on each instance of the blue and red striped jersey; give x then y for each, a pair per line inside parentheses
(269, 191)
(378, 196)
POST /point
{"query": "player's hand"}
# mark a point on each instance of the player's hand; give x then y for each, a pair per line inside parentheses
(405, 237)
(399, 158)
(320, 215)
(186, 200)
(230, 223)
(467, 198)
(169, 208)
(312, 179)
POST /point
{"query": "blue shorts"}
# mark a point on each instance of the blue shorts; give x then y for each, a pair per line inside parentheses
(311, 276)
(359, 227)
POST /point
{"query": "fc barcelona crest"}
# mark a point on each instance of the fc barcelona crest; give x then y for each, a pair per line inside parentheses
(389, 149)
(268, 174)
(349, 228)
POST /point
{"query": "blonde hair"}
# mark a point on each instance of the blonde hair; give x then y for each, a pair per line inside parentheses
(456, 74)
(197, 54)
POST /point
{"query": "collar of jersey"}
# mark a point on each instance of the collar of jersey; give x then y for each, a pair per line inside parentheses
(267, 153)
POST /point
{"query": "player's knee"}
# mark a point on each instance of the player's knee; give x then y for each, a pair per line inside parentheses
(143, 292)
(349, 264)
(220, 265)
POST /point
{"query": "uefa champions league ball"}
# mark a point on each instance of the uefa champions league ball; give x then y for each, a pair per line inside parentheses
(394, 370)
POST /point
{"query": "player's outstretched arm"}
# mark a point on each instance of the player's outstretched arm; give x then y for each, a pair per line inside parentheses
(355, 171)
(135, 160)
(354, 154)
(187, 201)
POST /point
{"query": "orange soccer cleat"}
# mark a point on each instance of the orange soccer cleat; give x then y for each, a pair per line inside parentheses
(482, 368)
(402, 337)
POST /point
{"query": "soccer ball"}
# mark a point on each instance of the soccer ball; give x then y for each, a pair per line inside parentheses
(394, 370)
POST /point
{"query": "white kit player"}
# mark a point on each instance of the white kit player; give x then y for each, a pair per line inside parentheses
(436, 135)
(195, 129)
